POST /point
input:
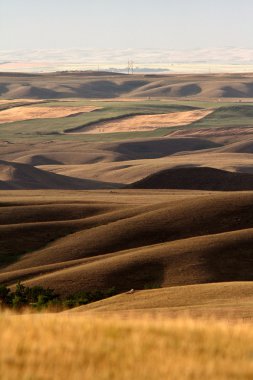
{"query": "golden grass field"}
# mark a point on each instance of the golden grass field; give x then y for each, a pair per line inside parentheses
(223, 301)
(147, 122)
(45, 347)
(27, 112)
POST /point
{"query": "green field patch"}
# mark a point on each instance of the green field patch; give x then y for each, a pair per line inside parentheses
(239, 115)
(56, 126)
(225, 115)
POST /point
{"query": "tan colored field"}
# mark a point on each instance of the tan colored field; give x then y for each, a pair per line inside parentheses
(228, 300)
(125, 162)
(33, 112)
(7, 101)
(130, 171)
(43, 347)
(19, 176)
(146, 122)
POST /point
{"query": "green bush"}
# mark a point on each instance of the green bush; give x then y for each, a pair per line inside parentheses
(5, 295)
(83, 298)
(39, 298)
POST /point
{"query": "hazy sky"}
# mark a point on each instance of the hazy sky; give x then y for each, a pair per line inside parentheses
(176, 24)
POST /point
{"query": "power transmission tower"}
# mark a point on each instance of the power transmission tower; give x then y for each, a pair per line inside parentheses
(130, 68)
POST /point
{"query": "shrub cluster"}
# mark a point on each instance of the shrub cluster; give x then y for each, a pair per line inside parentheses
(83, 298)
(39, 298)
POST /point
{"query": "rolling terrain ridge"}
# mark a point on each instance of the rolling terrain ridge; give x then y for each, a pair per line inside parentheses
(129, 182)
(112, 85)
(126, 240)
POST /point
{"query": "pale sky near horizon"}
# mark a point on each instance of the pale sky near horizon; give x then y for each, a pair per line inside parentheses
(175, 24)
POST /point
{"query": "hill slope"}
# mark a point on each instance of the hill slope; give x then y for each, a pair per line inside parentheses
(110, 85)
(231, 299)
(198, 178)
(22, 176)
(130, 240)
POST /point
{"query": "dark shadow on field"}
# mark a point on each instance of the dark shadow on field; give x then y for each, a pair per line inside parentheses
(136, 275)
(231, 263)
(106, 88)
(149, 149)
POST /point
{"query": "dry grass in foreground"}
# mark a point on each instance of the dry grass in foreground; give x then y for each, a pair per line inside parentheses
(42, 347)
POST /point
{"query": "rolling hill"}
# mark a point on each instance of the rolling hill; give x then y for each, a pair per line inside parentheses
(22, 176)
(162, 202)
(126, 239)
(157, 148)
(222, 300)
(112, 85)
(78, 153)
(196, 178)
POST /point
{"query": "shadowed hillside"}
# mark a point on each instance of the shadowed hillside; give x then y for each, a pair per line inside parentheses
(23, 176)
(71, 153)
(239, 147)
(127, 239)
(195, 178)
(111, 85)
(158, 148)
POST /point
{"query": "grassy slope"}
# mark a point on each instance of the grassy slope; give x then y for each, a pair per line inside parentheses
(62, 346)
(41, 215)
(223, 300)
(231, 116)
(132, 170)
(133, 239)
(226, 257)
(21, 176)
